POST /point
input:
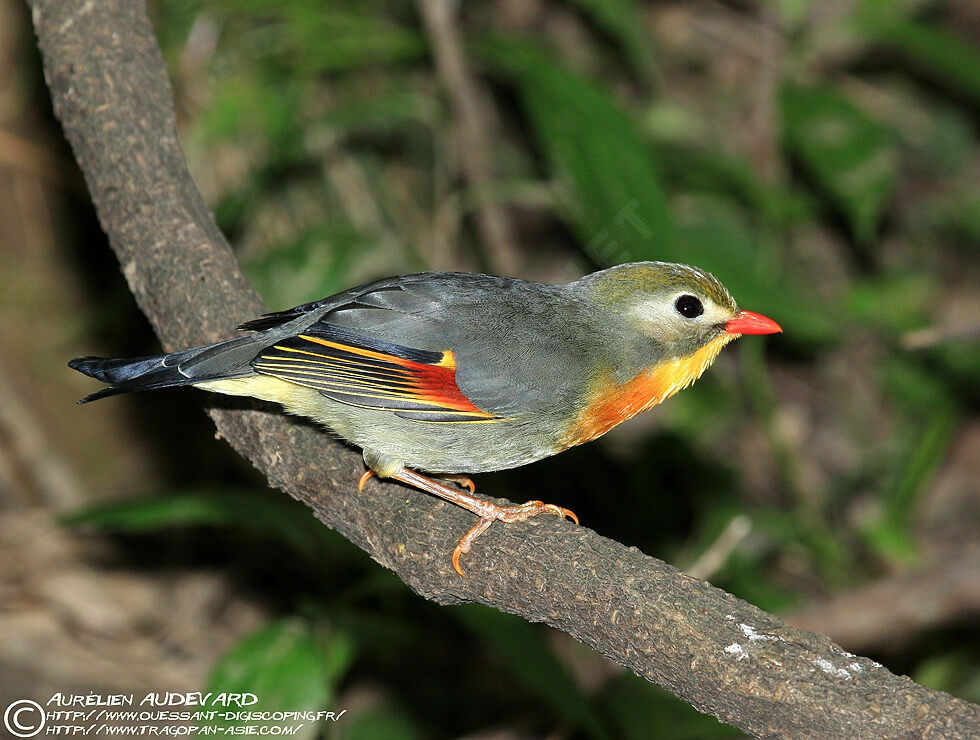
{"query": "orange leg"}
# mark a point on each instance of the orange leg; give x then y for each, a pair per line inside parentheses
(488, 511)
(461, 480)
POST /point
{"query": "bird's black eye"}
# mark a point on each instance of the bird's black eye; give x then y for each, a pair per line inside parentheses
(689, 307)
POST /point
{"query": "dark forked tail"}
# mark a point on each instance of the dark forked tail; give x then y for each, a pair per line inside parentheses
(229, 359)
(132, 374)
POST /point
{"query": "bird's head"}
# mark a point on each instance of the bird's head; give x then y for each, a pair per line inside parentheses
(682, 308)
(668, 323)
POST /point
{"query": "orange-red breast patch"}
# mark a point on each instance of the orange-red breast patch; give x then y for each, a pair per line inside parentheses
(613, 403)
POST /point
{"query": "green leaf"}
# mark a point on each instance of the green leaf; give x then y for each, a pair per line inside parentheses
(620, 19)
(945, 57)
(287, 667)
(955, 672)
(891, 541)
(526, 656)
(253, 104)
(613, 200)
(387, 722)
(956, 216)
(258, 513)
(936, 420)
(391, 110)
(846, 153)
(793, 13)
(321, 260)
(925, 456)
(309, 37)
(172, 22)
(893, 302)
(912, 386)
(358, 37)
(959, 362)
(824, 546)
(936, 136)
(714, 172)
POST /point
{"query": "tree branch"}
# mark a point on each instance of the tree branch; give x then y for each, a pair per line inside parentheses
(724, 656)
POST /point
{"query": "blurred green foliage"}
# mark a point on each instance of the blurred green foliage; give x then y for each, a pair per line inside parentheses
(288, 667)
(846, 152)
(329, 147)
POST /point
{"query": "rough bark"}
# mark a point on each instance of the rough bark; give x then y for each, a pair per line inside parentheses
(722, 655)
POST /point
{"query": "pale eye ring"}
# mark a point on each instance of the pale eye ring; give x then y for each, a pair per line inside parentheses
(689, 306)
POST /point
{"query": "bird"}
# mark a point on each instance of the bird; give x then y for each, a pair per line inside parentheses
(437, 376)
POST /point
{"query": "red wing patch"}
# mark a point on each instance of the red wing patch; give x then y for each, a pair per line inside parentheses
(361, 371)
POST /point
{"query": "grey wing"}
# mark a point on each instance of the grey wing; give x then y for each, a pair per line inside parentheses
(234, 357)
(513, 350)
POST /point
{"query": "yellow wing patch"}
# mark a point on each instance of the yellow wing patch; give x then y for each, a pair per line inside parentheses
(362, 371)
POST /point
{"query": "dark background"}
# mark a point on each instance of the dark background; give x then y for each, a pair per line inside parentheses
(820, 157)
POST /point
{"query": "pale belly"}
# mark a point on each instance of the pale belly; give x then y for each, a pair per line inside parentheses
(436, 447)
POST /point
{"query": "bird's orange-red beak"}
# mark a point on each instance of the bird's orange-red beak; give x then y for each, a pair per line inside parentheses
(752, 323)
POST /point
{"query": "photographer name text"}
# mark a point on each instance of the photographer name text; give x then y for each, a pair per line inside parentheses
(156, 699)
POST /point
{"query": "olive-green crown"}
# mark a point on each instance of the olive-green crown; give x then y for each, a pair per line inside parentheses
(625, 282)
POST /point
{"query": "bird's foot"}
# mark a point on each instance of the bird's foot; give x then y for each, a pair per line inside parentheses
(491, 512)
(488, 511)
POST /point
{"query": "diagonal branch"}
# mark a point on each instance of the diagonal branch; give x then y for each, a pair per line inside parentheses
(724, 656)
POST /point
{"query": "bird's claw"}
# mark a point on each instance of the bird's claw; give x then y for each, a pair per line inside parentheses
(530, 509)
(462, 481)
(368, 475)
(507, 514)
(466, 542)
